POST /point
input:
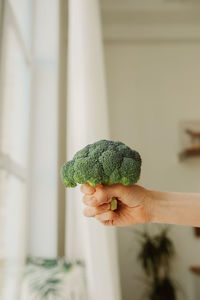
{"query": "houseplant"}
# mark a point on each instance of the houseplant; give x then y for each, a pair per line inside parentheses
(53, 279)
(155, 255)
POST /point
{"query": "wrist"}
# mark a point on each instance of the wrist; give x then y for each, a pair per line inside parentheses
(150, 207)
(152, 204)
(173, 208)
(162, 208)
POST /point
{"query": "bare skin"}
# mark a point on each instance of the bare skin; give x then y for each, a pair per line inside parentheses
(138, 205)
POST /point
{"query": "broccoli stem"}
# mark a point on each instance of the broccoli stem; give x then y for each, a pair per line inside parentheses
(113, 204)
(92, 184)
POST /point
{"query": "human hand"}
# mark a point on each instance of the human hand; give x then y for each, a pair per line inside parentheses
(134, 204)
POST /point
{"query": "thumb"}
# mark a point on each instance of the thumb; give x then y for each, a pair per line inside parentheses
(115, 190)
(104, 194)
(123, 193)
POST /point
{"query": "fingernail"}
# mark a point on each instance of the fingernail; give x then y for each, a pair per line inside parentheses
(106, 206)
(91, 191)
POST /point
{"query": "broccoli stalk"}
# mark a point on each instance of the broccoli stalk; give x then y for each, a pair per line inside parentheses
(104, 162)
(113, 203)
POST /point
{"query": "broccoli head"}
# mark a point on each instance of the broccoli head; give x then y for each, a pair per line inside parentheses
(104, 162)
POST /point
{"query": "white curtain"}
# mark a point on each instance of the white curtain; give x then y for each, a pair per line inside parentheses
(42, 221)
(87, 122)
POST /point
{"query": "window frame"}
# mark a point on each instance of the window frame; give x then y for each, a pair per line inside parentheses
(8, 164)
(30, 54)
(9, 19)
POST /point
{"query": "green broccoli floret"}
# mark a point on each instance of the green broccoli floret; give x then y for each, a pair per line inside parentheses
(104, 162)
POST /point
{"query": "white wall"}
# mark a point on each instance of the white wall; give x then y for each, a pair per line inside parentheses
(151, 87)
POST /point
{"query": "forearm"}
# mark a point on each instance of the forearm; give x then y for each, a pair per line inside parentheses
(175, 208)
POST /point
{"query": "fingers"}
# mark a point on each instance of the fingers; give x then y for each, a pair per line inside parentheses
(94, 211)
(98, 202)
(98, 198)
(108, 223)
(87, 189)
(102, 195)
(102, 213)
(106, 216)
(90, 200)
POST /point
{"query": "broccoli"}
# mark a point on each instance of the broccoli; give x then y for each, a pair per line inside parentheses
(104, 162)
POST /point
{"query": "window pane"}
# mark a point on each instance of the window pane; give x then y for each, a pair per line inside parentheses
(15, 100)
(12, 210)
(22, 11)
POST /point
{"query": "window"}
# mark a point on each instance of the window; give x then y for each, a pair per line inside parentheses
(15, 78)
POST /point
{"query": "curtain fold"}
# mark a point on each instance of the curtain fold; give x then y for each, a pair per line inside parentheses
(87, 122)
(42, 214)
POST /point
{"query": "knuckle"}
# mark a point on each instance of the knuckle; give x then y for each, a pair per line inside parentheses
(102, 208)
(104, 216)
(89, 200)
(87, 189)
(105, 223)
(108, 223)
(90, 189)
(101, 196)
(85, 199)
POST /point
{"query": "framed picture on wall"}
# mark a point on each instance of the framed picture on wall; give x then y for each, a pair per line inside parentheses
(190, 139)
(190, 145)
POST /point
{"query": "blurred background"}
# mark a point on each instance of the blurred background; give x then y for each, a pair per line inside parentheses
(71, 73)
